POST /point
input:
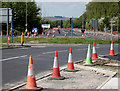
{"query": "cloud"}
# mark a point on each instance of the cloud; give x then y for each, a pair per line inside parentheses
(68, 9)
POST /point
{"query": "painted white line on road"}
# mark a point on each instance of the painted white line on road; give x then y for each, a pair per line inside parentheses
(38, 46)
(83, 49)
(86, 48)
(54, 52)
(13, 58)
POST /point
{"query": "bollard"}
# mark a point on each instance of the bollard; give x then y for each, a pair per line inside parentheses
(22, 40)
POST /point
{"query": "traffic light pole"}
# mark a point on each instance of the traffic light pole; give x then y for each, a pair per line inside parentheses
(7, 24)
(11, 31)
(71, 30)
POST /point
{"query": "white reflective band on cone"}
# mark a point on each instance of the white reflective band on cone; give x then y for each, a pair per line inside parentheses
(89, 53)
(55, 65)
(70, 58)
(94, 51)
(31, 71)
(111, 47)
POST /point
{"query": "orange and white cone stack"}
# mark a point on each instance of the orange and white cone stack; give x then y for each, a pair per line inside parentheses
(70, 67)
(94, 55)
(56, 71)
(112, 49)
(31, 82)
(8, 39)
(47, 34)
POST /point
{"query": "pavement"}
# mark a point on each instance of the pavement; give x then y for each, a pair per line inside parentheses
(15, 61)
(113, 83)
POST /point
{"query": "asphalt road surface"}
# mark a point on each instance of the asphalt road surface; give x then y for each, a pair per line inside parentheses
(61, 33)
(15, 61)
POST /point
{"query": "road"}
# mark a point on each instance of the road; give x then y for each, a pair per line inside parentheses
(77, 34)
(15, 61)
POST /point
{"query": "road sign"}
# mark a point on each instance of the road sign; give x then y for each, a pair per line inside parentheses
(45, 25)
(34, 30)
(4, 15)
(105, 29)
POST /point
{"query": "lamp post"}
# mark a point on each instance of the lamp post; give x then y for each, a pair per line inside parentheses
(26, 19)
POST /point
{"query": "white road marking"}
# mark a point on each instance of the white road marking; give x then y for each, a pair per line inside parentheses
(13, 58)
(83, 49)
(38, 46)
(53, 52)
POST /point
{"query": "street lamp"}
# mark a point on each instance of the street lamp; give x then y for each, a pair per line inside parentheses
(26, 18)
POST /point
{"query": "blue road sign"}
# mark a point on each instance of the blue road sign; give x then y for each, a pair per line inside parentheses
(34, 30)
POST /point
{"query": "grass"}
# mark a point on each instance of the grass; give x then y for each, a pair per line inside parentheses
(100, 63)
(61, 40)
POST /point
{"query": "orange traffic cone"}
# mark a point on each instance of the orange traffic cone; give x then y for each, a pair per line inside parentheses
(70, 67)
(112, 49)
(94, 55)
(48, 35)
(31, 82)
(1, 34)
(42, 33)
(28, 34)
(56, 72)
(34, 34)
(8, 39)
(65, 35)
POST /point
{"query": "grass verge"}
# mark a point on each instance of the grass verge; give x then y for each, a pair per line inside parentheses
(61, 40)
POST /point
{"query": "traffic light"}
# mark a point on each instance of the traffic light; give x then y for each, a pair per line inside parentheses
(13, 16)
(70, 20)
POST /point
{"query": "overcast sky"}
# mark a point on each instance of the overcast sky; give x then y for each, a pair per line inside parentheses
(68, 9)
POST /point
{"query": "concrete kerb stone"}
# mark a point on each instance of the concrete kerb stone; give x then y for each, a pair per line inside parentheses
(102, 57)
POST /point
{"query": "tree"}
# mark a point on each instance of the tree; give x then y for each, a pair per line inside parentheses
(33, 15)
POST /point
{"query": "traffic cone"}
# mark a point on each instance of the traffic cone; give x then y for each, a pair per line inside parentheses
(48, 35)
(42, 33)
(28, 34)
(112, 49)
(94, 55)
(56, 71)
(31, 82)
(70, 66)
(65, 35)
(103, 35)
(8, 39)
(34, 34)
(89, 58)
(1, 34)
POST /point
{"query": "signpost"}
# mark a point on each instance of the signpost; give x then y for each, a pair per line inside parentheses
(45, 26)
(5, 17)
(34, 30)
